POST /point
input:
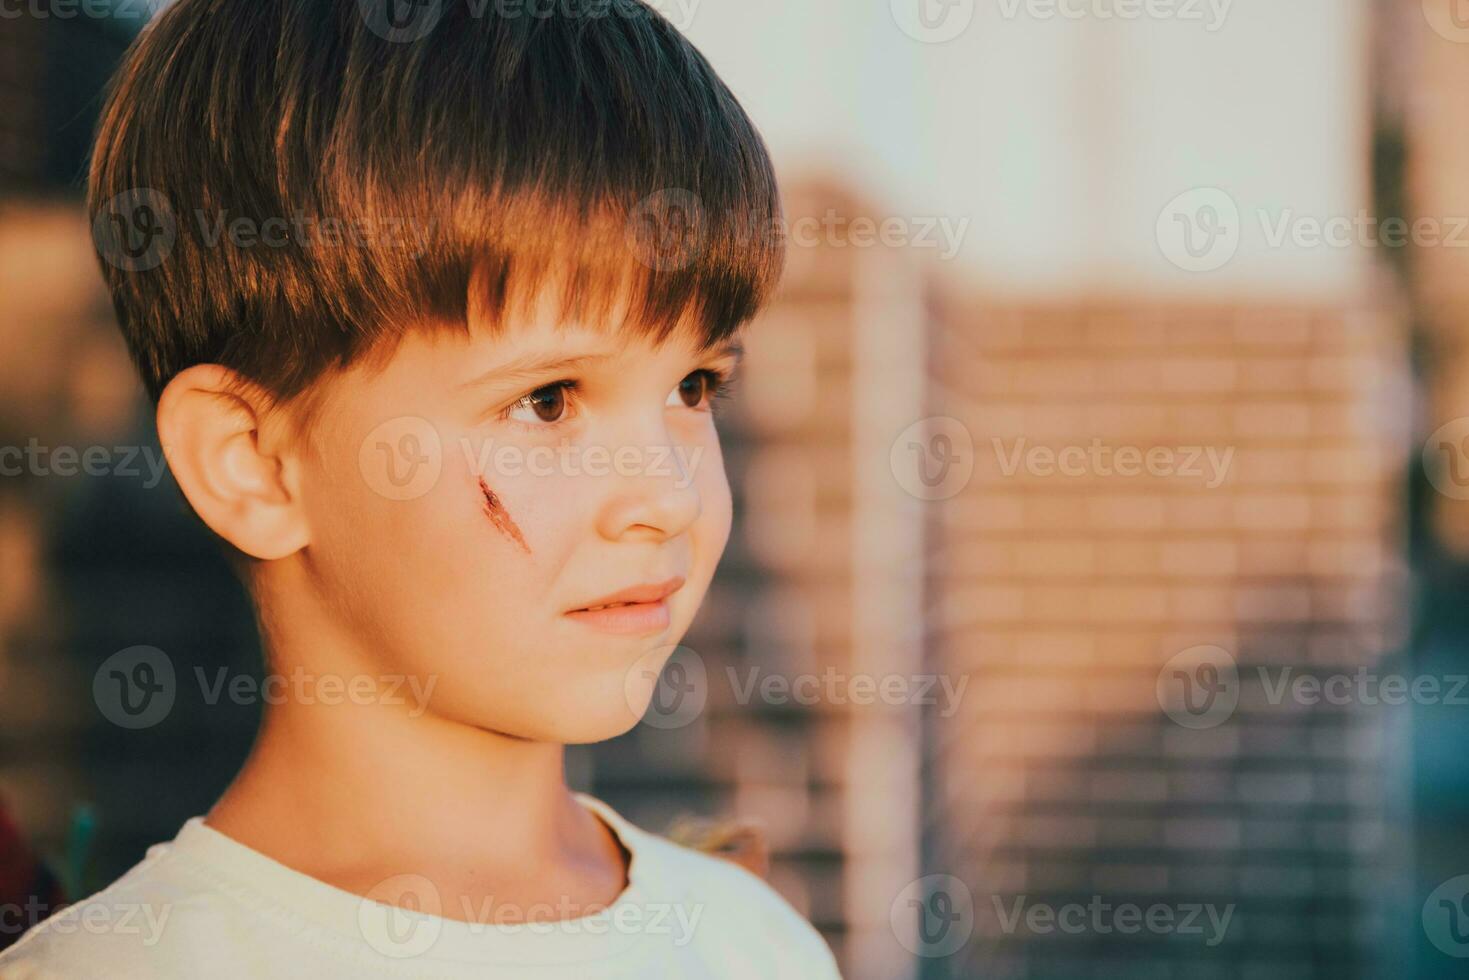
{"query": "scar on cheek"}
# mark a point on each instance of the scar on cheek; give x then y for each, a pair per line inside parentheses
(500, 517)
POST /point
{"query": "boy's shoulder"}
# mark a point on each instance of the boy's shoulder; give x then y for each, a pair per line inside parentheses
(711, 878)
(746, 906)
(697, 875)
(127, 930)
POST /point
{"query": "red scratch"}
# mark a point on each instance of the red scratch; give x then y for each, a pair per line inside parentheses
(500, 517)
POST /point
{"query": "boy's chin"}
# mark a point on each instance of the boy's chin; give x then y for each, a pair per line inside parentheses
(582, 724)
(597, 726)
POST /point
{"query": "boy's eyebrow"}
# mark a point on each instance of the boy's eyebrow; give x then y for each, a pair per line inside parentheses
(535, 365)
(530, 366)
(732, 347)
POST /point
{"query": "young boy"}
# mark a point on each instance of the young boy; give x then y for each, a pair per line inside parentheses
(434, 299)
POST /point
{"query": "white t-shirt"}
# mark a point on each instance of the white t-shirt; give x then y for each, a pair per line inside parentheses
(206, 906)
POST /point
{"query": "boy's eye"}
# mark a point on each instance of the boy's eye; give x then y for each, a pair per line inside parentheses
(547, 404)
(694, 389)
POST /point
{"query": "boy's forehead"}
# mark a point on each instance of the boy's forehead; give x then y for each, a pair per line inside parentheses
(525, 350)
(513, 334)
(540, 328)
(546, 328)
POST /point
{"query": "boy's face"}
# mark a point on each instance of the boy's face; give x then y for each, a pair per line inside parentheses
(458, 514)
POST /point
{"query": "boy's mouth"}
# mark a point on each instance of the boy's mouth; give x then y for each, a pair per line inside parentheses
(651, 592)
(640, 609)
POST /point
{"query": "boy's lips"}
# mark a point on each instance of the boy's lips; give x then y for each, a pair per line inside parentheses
(650, 592)
(640, 609)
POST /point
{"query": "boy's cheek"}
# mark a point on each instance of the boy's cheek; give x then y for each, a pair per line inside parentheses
(540, 520)
(716, 501)
(402, 458)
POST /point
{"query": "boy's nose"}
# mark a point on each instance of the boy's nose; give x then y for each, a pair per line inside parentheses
(657, 497)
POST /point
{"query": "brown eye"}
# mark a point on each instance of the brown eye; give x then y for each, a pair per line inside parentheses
(548, 403)
(691, 390)
(700, 390)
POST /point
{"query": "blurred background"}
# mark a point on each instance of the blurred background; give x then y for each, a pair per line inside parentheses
(1095, 605)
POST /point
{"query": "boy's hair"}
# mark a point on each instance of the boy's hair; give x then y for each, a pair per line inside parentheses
(316, 178)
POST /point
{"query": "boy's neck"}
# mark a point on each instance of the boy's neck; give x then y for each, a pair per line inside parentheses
(357, 794)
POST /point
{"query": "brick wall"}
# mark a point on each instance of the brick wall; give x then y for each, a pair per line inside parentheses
(1064, 595)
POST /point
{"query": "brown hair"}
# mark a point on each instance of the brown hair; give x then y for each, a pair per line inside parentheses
(281, 187)
(742, 841)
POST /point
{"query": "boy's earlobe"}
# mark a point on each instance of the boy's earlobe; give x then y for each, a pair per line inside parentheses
(211, 427)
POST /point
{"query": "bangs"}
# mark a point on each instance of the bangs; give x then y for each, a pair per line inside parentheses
(645, 266)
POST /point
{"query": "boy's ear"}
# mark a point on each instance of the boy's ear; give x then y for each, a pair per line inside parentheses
(236, 471)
